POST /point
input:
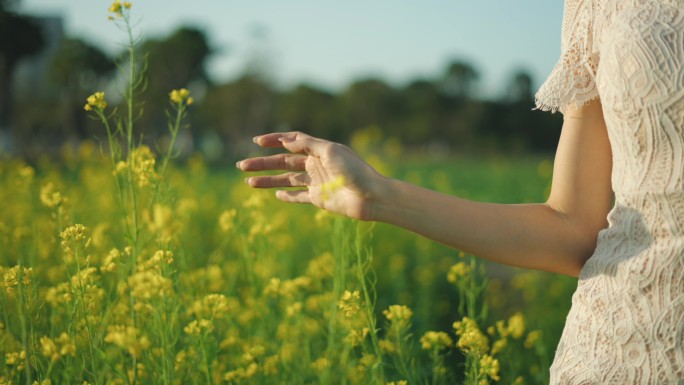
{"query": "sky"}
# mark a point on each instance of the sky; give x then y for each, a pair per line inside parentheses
(330, 43)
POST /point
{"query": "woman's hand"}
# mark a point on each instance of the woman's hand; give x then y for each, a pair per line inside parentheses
(331, 175)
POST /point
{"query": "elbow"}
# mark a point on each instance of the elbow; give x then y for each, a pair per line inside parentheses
(585, 248)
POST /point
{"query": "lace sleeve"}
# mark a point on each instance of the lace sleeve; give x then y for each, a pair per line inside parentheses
(571, 82)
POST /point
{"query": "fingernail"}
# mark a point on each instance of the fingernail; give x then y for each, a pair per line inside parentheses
(255, 139)
(238, 164)
(247, 180)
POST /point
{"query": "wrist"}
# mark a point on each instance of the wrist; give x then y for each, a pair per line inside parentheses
(379, 198)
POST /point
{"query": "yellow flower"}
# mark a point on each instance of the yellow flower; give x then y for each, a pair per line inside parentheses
(159, 259)
(387, 346)
(432, 340)
(149, 284)
(16, 275)
(96, 100)
(129, 338)
(349, 303)
(398, 313)
(227, 220)
(115, 7)
(321, 364)
(471, 337)
(16, 359)
(49, 196)
(489, 366)
(196, 328)
(214, 306)
(110, 261)
(180, 95)
(532, 338)
(49, 348)
(356, 336)
(127, 5)
(458, 271)
(516, 325)
(499, 345)
(329, 188)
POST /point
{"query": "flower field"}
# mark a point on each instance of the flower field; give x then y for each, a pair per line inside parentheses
(121, 266)
(202, 280)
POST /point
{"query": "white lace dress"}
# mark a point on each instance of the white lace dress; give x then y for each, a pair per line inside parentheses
(626, 325)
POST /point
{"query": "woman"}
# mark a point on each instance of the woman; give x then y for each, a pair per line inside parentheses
(620, 86)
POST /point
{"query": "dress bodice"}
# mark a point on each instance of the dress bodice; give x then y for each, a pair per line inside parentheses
(626, 324)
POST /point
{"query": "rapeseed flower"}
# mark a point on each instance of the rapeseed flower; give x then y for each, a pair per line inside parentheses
(471, 338)
(97, 101)
(458, 272)
(433, 340)
(213, 306)
(499, 345)
(181, 95)
(128, 338)
(349, 303)
(356, 336)
(118, 7)
(49, 348)
(329, 188)
(532, 338)
(489, 367)
(16, 359)
(109, 263)
(227, 220)
(516, 325)
(142, 163)
(13, 276)
(321, 364)
(398, 313)
(49, 196)
(387, 346)
(149, 284)
(196, 328)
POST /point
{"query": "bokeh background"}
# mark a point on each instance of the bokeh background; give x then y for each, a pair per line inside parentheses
(439, 76)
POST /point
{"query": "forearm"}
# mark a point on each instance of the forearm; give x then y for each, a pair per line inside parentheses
(527, 235)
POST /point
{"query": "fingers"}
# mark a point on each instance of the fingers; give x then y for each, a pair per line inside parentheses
(288, 162)
(290, 179)
(273, 139)
(295, 142)
(297, 196)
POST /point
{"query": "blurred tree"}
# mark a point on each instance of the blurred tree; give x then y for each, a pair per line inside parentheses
(459, 80)
(369, 102)
(312, 110)
(422, 103)
(19, 38)
(174, 62)
(238, 111)
(78, 68)
(520, 87)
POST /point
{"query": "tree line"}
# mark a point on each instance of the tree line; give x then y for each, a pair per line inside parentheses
(442, 110)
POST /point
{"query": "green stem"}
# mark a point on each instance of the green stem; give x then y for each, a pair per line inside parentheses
(180, 108)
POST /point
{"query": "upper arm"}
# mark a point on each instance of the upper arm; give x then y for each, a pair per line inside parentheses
(581, 189)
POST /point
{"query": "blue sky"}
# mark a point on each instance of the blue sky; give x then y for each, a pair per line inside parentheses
(329, 43)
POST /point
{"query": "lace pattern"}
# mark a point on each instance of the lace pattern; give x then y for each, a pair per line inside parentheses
(572, 80)
(626, 324)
